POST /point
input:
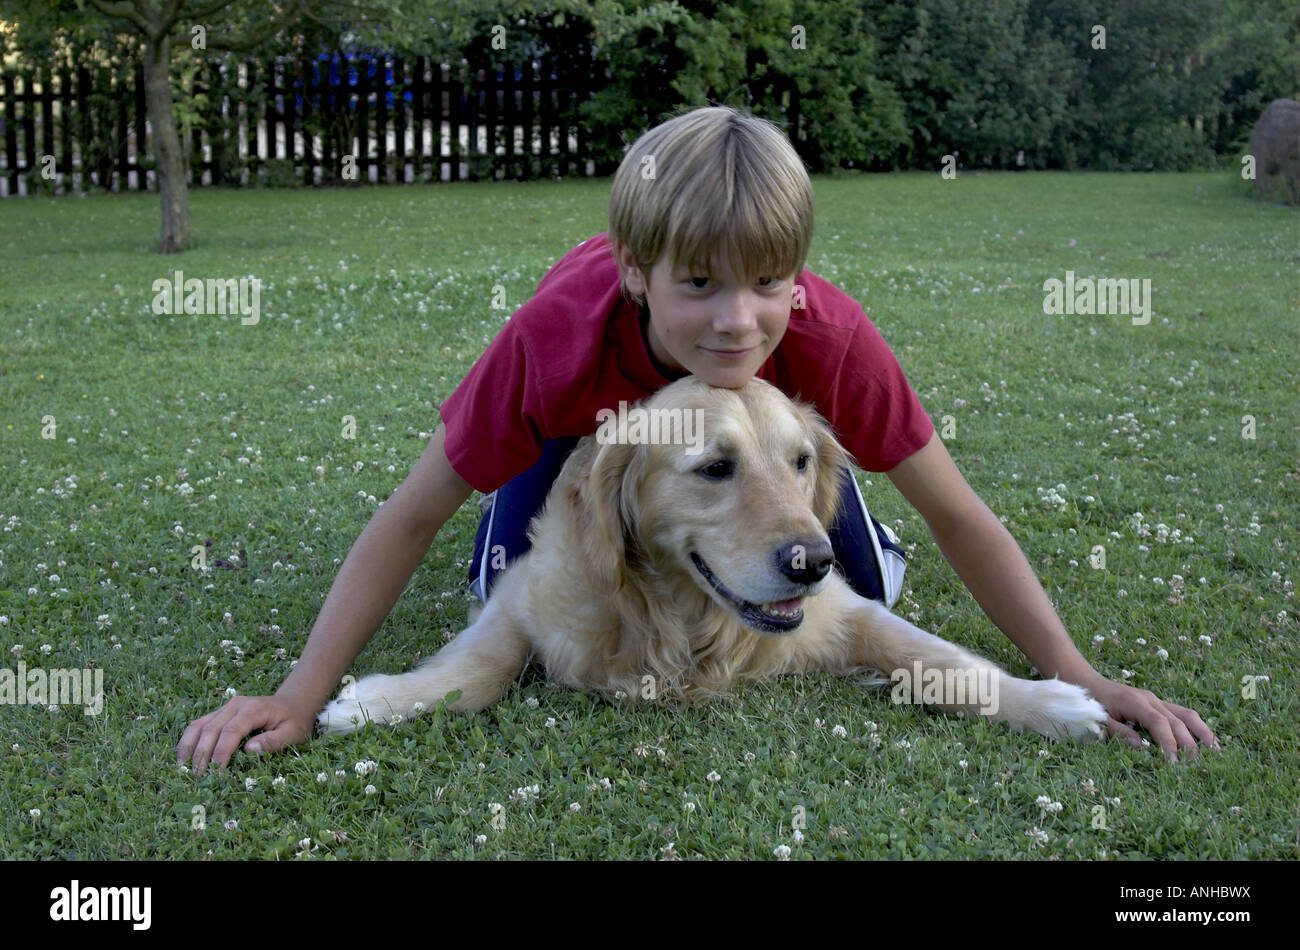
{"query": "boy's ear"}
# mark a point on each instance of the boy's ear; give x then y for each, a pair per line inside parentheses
(630, 272)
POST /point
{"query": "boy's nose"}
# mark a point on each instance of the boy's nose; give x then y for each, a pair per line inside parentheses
(737, 315)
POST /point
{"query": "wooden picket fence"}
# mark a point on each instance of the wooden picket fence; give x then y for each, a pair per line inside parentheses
(310, 121)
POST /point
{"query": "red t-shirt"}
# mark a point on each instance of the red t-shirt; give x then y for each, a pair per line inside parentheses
(576, 347)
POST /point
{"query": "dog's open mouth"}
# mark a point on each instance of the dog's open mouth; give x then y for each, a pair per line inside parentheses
(778, 616)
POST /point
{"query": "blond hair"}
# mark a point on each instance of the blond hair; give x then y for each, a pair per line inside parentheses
(713, 180)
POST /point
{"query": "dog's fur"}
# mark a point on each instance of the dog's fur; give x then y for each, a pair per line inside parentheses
(614, 596)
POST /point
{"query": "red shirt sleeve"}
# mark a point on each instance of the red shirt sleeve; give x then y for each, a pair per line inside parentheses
(870, 404)
(492, 423)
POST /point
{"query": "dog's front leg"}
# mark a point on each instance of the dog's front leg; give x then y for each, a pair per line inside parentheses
(481, 662)
(926, 668)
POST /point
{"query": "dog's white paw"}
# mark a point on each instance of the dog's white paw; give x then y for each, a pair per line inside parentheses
(1064, 711)
(359, 703)
(1070, 711)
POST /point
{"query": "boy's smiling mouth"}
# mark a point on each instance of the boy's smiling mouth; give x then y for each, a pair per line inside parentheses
(730, 354)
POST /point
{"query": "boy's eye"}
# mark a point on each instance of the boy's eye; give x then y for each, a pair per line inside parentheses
(698, 282)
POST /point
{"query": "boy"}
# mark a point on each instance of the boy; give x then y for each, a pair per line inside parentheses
(710, 224)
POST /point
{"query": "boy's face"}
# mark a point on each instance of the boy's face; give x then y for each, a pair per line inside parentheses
(713, 325)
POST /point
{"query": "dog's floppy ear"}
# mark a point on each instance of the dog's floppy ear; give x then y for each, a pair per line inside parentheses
(832, 466)
(609, 507)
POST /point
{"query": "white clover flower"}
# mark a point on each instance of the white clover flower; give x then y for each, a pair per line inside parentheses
(749, 757)
(532, 702)
(231, 825)
(797, 837)
(1141, 641)
(340, 773)
(480, 840)
(1162, 653)
(839, 732)
(495, 808)
(250, 784)
(961, 763)
(574, 806)
(525, 794)
(1204, 639)
(689, 806)
(418, 706)
(781, 852)
(550, 722)
(714, 776)
(371, 790)
(1038, 835)
(231, 692)
(34, 812)
(277, 782)
(322, 778)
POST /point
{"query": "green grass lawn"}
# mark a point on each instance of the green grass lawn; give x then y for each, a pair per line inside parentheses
(172, 432)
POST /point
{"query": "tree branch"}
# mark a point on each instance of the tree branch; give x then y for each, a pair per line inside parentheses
(126, 11)
(167, 19)
(292, 13)
(199, 16)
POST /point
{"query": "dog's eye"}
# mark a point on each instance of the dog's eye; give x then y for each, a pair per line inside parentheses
(802, 463)
(717, 470)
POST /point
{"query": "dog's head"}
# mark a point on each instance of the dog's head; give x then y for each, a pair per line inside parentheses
(733, 488)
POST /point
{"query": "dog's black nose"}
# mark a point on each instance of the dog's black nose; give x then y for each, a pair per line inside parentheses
(806, 562)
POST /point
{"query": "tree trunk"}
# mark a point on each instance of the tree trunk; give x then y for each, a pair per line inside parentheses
(172, 184)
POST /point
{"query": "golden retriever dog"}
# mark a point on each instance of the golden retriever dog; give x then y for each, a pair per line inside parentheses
(662, 570)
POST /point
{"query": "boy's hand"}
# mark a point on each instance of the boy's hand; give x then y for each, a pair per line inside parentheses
(1172, 727)
(216, 736)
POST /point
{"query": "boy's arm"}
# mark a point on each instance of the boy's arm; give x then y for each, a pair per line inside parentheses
(992, 566)
(372, 577)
